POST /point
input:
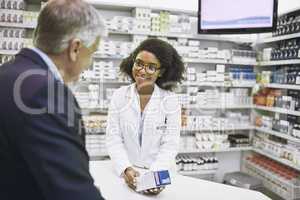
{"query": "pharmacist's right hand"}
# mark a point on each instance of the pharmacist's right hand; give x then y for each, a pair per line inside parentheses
(130, 175)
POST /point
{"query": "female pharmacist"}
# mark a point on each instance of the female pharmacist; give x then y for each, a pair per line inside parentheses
(144, 118)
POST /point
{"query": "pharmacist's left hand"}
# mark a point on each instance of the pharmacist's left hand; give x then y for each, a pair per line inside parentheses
(154, 191)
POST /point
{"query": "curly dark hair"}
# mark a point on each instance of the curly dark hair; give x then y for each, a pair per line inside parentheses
(170, 60)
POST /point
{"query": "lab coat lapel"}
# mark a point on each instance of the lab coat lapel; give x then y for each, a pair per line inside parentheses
(154, 103)
(151, 114)
(133, 101)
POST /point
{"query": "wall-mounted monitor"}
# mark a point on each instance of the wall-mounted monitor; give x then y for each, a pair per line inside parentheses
(236, 16)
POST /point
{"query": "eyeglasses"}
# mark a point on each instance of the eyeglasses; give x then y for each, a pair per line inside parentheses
(150, 68)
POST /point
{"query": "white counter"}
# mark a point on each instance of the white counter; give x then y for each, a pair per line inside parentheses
(183, 188)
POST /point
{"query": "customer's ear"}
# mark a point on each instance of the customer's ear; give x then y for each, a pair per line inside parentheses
(74, 48)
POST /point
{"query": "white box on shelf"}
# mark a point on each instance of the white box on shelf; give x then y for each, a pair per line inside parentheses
(220, 68)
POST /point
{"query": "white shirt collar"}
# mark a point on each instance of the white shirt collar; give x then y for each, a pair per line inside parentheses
(52, 67)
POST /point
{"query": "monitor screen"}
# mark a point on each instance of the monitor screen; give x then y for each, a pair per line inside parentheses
(237, 16)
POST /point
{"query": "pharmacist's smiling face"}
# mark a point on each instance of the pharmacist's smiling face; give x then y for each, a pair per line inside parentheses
(146, 69)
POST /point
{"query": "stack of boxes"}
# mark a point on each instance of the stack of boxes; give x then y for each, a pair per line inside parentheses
(88, 98)
(211, 141)
(284, 75)
(242, 75)
(13, 39)
(243, 56)
(30, 18)
(100, 70)
(164, 22)
(120, 24)
(155, 23)
(12, 4)
(191, 75)
(215, 98)
(210, 76)
(233, 120)
(115, 49)
(12, 11)
(278, 147)
(142, 20)
(94, 123)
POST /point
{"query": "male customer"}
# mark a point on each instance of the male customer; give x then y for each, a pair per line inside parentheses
(42, 155)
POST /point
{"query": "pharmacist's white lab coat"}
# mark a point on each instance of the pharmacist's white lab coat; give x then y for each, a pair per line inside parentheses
(161, 131)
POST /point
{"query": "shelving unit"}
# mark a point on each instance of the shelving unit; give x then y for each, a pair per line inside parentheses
(277, 38)
(282, 86)
(198, 172)
(280, 160)
(217, 61)
(220, 107)
(185, 36)
(232, 149)
(272, 66)
(278, 110)
(220, 129)
(279, 134)
(8, 52)
(279, 62)
(223, 42)
(216, 84)
(15, 25)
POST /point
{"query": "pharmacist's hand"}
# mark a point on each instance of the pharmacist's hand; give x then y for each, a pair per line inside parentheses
(154, 191)
(130, 175)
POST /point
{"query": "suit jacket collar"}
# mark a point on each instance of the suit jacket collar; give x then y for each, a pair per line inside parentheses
(36, 58)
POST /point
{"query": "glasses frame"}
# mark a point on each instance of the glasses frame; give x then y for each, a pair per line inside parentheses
(144, 66)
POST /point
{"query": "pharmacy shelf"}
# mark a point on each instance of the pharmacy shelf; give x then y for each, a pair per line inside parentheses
(216, 61)
(94, 110)
(278, 110)
(197, 172)
(279, 62)
(278, 134)
(216, 84)
(219, 107)
(121, 6)
(15, 25)
(8, 52)
(278, 38)
(186, 60)
(99, 56)
(282, 86)
(186, 36)
(283, 161)
(219, 129)
(101, 81)
(232, 149)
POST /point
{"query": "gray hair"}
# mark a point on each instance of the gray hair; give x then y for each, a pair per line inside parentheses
(62, 20)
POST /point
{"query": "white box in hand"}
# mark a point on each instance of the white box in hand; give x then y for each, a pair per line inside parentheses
(151, 180)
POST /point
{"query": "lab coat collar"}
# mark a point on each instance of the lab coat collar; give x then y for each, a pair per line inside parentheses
(133, 98)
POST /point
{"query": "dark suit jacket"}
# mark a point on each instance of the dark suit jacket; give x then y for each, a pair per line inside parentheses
(42, 155)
